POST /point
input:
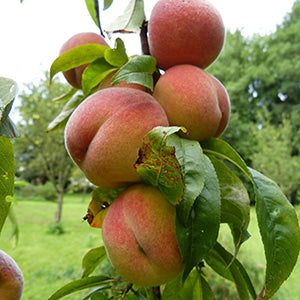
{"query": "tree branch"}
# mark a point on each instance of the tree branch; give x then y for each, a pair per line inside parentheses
(96, 5)
(144, 38)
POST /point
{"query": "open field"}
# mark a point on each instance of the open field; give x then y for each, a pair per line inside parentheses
(49, 261)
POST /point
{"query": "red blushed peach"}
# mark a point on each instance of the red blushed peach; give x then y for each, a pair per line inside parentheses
(224, 104)
(11, 278)
(104, 133)
(185, 32)
(192, 98)
(139, 236)
(74, 76)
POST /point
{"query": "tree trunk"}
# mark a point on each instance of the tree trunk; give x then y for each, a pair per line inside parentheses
(59, 206)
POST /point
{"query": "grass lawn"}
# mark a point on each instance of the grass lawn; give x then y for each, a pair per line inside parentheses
(49, 261)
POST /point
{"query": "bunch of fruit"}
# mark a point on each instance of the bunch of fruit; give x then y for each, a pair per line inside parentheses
(104, 133)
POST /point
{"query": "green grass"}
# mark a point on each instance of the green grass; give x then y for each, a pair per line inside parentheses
(49, 261)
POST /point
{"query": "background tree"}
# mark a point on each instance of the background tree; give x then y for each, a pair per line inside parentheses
(41, 156)
(276, 141)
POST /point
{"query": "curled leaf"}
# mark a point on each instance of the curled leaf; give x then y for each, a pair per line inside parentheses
(158, 166)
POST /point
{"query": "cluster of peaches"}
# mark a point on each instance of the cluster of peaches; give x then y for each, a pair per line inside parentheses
(104, 133)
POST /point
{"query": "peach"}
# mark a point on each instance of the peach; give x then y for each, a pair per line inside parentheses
(139, 236)
(224, 104)
(194, 99)
(11, 278)
(74, 76)
(185, 32)
(104, 133)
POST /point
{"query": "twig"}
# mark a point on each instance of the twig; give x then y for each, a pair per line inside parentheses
(144, 38)
(96, 5)
(126, 291)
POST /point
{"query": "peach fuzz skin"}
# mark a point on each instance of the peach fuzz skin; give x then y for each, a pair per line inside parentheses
(194, 99)
(74, 76)
(104, 133)
(11, 278)
(185, 32)
(139, 236)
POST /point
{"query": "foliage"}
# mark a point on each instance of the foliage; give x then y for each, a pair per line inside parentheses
(41, 156)
(277, 141)
(42, 191)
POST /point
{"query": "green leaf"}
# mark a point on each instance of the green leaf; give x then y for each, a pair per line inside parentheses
(65, 96)
(131, 19)
(96, 294)
(200, 233)
(91, 260)
(7, 174)
(8, 91)
(223, 262)
(61, 120)
(235, 203)
(219, 264)
(117, 57)
(8, 128)
(75, 57)
(194, 287)
(95, 73)
(221, 149)
(138, 69)
(90, 4)
(77, 285)
(207, 293)
(191, 159)
(107, 4)
(279, 228)
(157, 163)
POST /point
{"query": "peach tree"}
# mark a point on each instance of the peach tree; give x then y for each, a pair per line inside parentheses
(145, 131)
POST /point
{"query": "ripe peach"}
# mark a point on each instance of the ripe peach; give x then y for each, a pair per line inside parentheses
(11, 278)
(185, 32)
(104, 133)
(139, 236)
(194, 99)
(74, 76)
